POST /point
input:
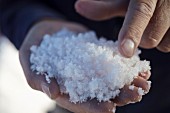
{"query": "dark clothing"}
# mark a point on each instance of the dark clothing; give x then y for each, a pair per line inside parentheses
(17, 16)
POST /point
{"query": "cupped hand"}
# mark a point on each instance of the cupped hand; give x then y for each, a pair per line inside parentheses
(38, 82)
(146, 24)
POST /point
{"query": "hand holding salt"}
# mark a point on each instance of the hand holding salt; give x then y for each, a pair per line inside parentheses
(86, 68)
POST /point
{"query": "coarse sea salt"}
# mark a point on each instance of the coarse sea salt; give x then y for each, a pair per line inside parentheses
(84, 66)
(131, 87)
(141, 91)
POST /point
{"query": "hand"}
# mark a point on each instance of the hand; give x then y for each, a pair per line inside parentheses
(147, 22)
(38, 82)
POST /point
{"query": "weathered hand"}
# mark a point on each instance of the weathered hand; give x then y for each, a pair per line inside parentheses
(34, 37)
(38, 82)
(147, 22)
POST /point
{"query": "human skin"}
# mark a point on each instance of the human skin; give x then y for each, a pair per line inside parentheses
(146, 24)
(38, 82)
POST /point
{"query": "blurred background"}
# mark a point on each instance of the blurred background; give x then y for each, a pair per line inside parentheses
(15, 94)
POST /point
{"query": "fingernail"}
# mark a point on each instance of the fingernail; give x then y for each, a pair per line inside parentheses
(128, 47)
(46, 90)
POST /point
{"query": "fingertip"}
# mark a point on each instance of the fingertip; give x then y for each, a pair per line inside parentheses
(128, 95)
(78, 6)
(136, 20)
(82, 7)
(141, 83)
(146, 75)
(127, 47)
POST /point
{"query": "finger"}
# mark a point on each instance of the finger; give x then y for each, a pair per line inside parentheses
(145, 75)
(129, 94)
(164, 45)
(101, 10)
(157, 27)
(91, 106)
(137, 18)
(141, 83)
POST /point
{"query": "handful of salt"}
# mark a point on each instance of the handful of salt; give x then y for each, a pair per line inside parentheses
(85, 67)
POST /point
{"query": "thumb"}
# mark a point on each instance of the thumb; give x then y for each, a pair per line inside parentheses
(101, 9)
(137, 18)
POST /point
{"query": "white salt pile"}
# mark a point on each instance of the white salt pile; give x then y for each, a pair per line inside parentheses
(85, 67)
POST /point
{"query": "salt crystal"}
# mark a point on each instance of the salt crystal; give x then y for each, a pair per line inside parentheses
(113, 110)
(131, 87)
(141, 91)
(149, 83)
(85, 67)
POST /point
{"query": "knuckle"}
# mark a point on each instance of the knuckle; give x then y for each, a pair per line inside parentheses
(163, 3)
(135, 33)
(149, 42)
(153, 42)
(145, 9)
(135, 30)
